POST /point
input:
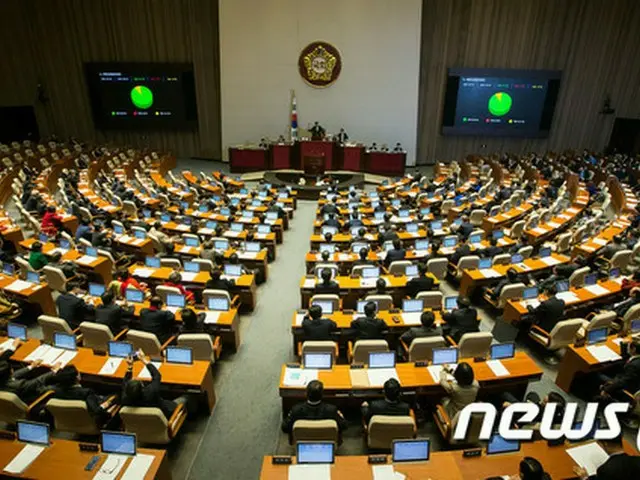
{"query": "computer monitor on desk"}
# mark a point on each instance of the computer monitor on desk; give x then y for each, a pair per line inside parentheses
(497, 445)
(133, 295)
(590, 279)
(475, 238)
(33, 277)
(450, 302)
(65, 341)
(562, 286)
(219, 304)
(315, 452)
(485, 263)
(326, 306)
(118, 443)
(327, 247)
(445, 356)
(318, 360)
(635, 326)
(498, 234)
(175, 300)
(96, 289)
(192, 242)
(371, 272)
(152, 262)
(422, 245)
(530, 293)
(597, 335)
(33, 432)
(382, 360)
(503, 350)
(192, 267)
(410, 450)
(180, 355)
(450, 242)
(233, 270)
(544, 252)
(412, 305)
(411, 270)
(17, 331)
(412, 227)
(120, 349)
(8, 269)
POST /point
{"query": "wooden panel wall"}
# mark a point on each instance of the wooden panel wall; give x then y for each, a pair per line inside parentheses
(596, 43)
(47, 41)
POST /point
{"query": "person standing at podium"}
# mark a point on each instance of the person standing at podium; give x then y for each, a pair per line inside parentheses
(342, 136)
(317, 131)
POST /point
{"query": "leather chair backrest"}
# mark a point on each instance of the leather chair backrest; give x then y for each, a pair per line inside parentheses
(363, 348)
(149, 424)
(315, 431)
(384, 429)
(72, 416)
(422, 348)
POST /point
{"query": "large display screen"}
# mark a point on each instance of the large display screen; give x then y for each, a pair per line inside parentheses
(142, 95)
(493, 102)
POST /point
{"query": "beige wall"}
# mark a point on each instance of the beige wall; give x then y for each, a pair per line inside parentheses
(376, 96)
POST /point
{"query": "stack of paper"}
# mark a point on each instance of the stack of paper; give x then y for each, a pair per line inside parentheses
(421, 253)
(540, 230)
(489, 273)
(6, 345)
(206, 231)
(343, 257)
(86, 259)
(550, 261)
(386, 472)
(110, 366)
(248, 255)
(309, 283)
(173, 310)
(50, 358)
(138, 467)
(182, 228)
(589, 456)
(143, 272)
(188, 276)
(368, 282)
(66, 357)
(299, 318)
(533, 303)
(597, 289)
(299, 377)
(568, 297)
(211, 317)
(18, 286)
(310, 472)
(600, 241)
(498, 369)
(38, 353)
(602, 353)
(139, 241)
(411, 318)
(22, 460)
(144, 373)
(377, 376)
(553, 224)
(111, 467)
(435, 370)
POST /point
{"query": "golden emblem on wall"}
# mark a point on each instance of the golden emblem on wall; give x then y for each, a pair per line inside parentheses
(319, 64)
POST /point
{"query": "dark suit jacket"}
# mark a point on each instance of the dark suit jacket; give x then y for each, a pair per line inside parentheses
(491, 252)
(331, 222)
(73, 309)
(320, 329)
(384, 407)
(548, 313)
(78, 392)
(158, 322)
(150, 393)
(465, 229)
(461, 321)
(460, 252)
(222, 284)
(610, 250)
(369, 328)
(619, 466)
(111, 316)
(420, 332)
(628, 379)
(331, 287)
(306, 411)
(419, 284)
(329, 208)
(394, 255)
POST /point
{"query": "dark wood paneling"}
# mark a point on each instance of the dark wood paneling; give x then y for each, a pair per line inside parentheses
(48, 41)
(594, 42)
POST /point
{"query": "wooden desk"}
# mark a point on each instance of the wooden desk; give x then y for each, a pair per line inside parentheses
(451, 465)
(344, 385)
(577, 362)
(514, 310)
(557, 224)
(177, 378)
(247, 159)
(36, 294)
(65, 458)
(472, 279)
(101, 266)
(593, 244)
(504, 219)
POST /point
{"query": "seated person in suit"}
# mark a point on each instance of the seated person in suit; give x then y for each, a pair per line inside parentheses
(20, 381)
(493, 249)
(509, 279)
(424, 282)
(326, 256)
(66, 386)
(169, 252)
(157, 321)
(388, 234)
(71, 307)
(462, 391)
(427, 329)
(461, 251)
(100, 238)
(216, 282)
(390, 405)
(361, 236)
(628, 379)
(69, 269)
(37, 259)
(175, 281)
(621, 308)
(381, 287)
(314, 327)
(127, 281)
(369, 327)
(332, 221)
(549, 312)
(192, 322)
(313, 409)
(111, 314)
(156, 231)
(329, 207)
(619, 466)
(327, 285)
(142, 394)
(614, 247)
(396, 253)
(461, 320)
(465, 228)
(362, 260)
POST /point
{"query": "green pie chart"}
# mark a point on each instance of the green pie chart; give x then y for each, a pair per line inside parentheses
(142, 97)
(500, 104)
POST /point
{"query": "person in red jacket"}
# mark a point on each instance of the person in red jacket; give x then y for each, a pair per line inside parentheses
(175, 281)
(127, 281)
(51, 221)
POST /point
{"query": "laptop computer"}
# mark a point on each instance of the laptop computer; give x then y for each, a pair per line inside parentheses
(411, 270)
(175, 300)
(450, 242)
(450, 302)
(410, 450)
(233, 270)
(33, 277)
(445, 356)
(32, 432)
(544, 252)
(120, 349)
(96, 289)
(152, 262)
(133, 295)
(590, 279)
(422, 245)
(475, 238)
(15, 330)
(91, 252)
(412, 305)
(562, 286)
(118, 443)
(597, 335)
(485, 263)
(503, 350)
(497, 445)
(529, 293)
(318, 360)
(382, 360)
(65, 341)
(181, 355)
(371, 272)
(219, 304)
(192, 242)
(326, 306)
(193, 267)
(315, 452)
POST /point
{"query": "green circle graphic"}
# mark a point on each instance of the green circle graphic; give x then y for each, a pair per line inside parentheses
(142, 97)
(500, 104)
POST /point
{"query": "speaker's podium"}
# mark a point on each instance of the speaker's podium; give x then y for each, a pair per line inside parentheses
(315, 149)
(313, 165)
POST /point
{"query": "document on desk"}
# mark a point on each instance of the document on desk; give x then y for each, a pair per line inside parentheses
(310, 472)
(86, 259)
(540, 230)
(6, 345)
(589, 456)
(144, 272)
(568, 297)
(434, 370)
(498, 368)
(111, 467)
(110, 366)
(138, 467)
(66, 357)
(386, 472)
(603, 353)
(211, 317)
(18, 286)
(411, 318)
(299, 377)
(144, 373)
(24, 458)
(368, 282)
(377, 376)
(597, 289)
(173, 310)
(421, 253)
(550, 261)
(309, 283)
(553, 224)
(248, 255)
(489, 273)
(182, 228)
(38, 353)
(600, 241)
(299, 318)
(51, 357)
(343, 257)
(188, 276)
